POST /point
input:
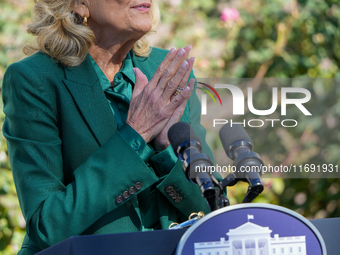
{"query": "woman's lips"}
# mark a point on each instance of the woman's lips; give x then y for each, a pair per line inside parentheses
(145, 7)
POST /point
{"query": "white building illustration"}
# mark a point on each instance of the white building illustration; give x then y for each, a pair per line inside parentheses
(252, 239)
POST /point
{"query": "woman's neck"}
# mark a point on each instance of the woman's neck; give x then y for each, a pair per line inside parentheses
(110, 57)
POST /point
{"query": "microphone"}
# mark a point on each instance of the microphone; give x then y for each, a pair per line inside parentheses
(187, 147)
(239, 147)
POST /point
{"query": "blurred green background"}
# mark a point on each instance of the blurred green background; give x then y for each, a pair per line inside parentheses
(253, 38)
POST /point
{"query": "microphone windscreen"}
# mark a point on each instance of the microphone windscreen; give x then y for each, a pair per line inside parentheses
(179, 133)
(230, 134)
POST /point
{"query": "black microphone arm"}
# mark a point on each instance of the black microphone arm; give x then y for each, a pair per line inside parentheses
(187, 147)
(238, 147)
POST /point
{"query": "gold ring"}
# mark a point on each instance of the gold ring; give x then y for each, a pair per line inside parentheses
(178, 91)
(173, 224)
(192, 215)
(200, 214)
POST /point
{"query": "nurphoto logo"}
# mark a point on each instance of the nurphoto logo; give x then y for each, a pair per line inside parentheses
(284, 96)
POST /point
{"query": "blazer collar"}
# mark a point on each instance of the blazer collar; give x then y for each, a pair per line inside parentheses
(83, 74)
(83, 84)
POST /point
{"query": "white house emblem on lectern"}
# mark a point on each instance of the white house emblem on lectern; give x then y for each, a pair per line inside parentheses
(252, 239)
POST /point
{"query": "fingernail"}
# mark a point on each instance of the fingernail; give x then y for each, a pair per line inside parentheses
(181, 52)
(185, 64)
(173, 49)
(186, 89)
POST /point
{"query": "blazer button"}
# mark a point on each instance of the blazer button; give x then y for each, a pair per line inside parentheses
(179, 199)
(132, 190)
(126, 194)
(174, 196)
(119, 199)
(138, 186)
(171, 193)
(159, 160)
(169, 188)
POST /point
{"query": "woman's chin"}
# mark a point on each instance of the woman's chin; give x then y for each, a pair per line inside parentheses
(142, 29)
(145, 27)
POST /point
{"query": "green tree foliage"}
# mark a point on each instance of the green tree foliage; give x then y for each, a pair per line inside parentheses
(270, 38)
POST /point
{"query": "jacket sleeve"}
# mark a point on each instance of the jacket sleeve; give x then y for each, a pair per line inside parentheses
(167, 163)
(54, 211)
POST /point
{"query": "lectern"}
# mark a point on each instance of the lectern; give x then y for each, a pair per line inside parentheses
(162, 242)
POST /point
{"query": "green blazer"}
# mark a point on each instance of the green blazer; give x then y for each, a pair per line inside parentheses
(70, 163)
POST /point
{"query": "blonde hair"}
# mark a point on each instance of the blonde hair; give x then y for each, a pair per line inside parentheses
(61, 34)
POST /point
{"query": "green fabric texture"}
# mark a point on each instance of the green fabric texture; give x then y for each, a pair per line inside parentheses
(71, 159)
(119, 96)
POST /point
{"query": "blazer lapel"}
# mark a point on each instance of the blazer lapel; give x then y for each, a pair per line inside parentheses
(83, 84)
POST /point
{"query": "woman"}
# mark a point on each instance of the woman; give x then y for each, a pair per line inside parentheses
(86, 123)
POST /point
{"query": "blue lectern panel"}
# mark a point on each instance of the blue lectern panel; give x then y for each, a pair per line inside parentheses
(162, 242)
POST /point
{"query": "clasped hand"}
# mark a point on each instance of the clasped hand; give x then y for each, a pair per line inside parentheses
(153, 107)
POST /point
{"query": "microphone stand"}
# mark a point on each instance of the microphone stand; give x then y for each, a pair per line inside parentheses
(229, 181)
(222, 200)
